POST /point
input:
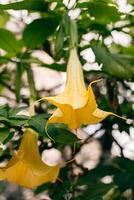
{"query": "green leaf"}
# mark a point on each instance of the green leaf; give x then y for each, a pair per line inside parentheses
(39, 30)
(124, 179)
(3, 119)
(8, 138)
(97, 191)
(8, 42)
(4, 133)
(124, 164)
(11, 117)
(33, 5)
(4, 78)
(127, 50)
(18, 121)
(103, 13)
(86, 4)
(61, 135)
(116, 65)
(4, 110)
(59, 41)
(112, 194)
(55, 66)
(14, 112)
(38, 123)
(131, 2)
(66, 23)
(3, 60)
(41, 188)
(97, 173)
(4, 17)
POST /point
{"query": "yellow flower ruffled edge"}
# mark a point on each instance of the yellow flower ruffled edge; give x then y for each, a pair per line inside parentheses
(77, 105)
(26, 167)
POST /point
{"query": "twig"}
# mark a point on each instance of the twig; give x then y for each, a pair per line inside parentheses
(121, 148)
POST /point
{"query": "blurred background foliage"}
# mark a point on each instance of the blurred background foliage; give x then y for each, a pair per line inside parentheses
(29, 28)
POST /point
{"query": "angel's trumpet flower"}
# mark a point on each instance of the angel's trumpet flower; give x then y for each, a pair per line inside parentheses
(26, 167)
(76, 105)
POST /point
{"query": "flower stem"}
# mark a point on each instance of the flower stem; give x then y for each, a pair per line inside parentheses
(73, 34)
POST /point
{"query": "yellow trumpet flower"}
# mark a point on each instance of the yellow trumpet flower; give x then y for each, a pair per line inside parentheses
(26, 167)
(76, 105)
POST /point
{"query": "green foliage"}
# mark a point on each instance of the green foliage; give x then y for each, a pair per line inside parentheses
(11, 118)
(97, 191)
(53, 31)
(61, 135)
(59, 41)
(8, 42)
(40, 29)
(38, 123)
(32, 5)
(4, 133)
(103, 13)
(4, 17)
(114, 64)
(58, 134)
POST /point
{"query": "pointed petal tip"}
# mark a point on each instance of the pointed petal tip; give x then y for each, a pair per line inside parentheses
(96, 81)
(119, 116)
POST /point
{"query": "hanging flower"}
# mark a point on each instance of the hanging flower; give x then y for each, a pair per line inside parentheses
(26, 167)
(76, 105)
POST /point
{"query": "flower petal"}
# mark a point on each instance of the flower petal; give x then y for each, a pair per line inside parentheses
(76, 105)
(26, 167)
(75, 93)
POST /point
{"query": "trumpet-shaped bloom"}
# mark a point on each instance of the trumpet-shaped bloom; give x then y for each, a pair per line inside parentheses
(26, 167)
(76, 105)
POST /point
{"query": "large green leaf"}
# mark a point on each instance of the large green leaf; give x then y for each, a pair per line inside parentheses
(39, 30)
(38, 123)
(59, 41)
(103, 13)
(3, 60)
(54, 66)
(4, 17)
(97, 173)
(8, 42)
(17, 121)
(124, 164)
(11, 116)
(62, 135)
(4, 78)
(15, 112)
(97, 191)
(4, 111)
(124, 179)
(4, 133)
(59, 135)
(116, 65)
(35, 5)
